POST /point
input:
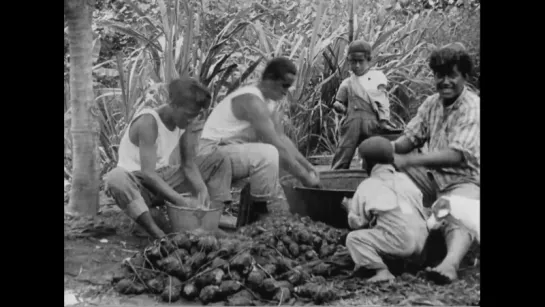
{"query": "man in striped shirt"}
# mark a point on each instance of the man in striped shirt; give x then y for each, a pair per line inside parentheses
(449, 121)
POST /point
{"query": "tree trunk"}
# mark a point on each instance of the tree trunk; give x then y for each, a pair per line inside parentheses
(84, 195)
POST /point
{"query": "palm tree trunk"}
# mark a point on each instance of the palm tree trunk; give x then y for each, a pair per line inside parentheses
(84, 128)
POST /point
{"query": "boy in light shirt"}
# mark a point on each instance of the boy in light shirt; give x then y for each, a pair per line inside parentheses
(364, 99)
(386, 214)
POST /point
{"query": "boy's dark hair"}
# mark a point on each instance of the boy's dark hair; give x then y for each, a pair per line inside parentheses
(442, 60)
(189, 93)
(360, 46)
(277, 68)
(376, 150)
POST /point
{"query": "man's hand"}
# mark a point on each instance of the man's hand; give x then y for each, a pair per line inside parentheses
(312, 180)
(401, 161)
(204, 198)
(339, 107)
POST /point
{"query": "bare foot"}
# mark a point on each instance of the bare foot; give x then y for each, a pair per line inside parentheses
(380, 276)
(442, 274)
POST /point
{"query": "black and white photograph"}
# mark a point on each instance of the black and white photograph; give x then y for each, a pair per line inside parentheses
(272, 153)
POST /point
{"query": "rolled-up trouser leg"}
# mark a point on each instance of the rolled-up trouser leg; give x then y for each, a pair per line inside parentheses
(217, 173)
(259, 162)
(364, 247)
(126, 189)
(350, 136)
(458, 238)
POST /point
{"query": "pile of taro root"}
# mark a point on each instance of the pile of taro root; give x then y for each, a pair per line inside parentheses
(277, 261)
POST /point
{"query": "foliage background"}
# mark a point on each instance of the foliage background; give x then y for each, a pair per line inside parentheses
(226, 43)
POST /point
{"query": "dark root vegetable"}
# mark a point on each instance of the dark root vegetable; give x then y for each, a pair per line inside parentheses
(242, 263)
(190, 291)
(209, 294)
(318, 293)
(208, 243)
(196, 260)
(255, 279)
(282, 295)
(311, 255)
(270, 268)
(172, 291)
(234, 275)
(242, 298)
(127, 286)
(294, 249)
(326, 250)
(229, 287)
(220, 263)
(156, 285)
(182, 241)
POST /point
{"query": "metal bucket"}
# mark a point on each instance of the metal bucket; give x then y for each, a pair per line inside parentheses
(188, 219)
(323, 204)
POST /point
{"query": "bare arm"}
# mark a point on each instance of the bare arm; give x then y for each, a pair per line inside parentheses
(403, 145)
(289, 143)
(443, 158)
(147, 135)
(188, 147)
(250, 108)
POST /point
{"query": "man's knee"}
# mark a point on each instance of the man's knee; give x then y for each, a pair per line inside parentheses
(469, 190)
(269, 156)
(116, 180)
(352, 239)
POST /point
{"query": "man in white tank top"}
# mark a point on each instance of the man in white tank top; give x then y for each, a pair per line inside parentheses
(143, 177)
(245, 127)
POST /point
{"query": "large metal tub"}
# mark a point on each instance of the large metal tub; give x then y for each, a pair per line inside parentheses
(323, 204)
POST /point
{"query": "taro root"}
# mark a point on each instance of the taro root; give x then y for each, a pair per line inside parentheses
(255, 279)
(234, 275)
(169, 264)
(154, 254)
(242, 263)
(326, 250)
(172, 291)
(190, 291)
(294, 277)
(287, 240)
(322, 269)
(294, 249)
(156, 285)
(208, 243)
(220, 263)
(146, 275)
(283, 265)
(271, 242)
(182, 241)
(282, 295)
(270, 268)
(242, 298)
(181, 253)
(282, 249)
(316, 242)
(213, 277)
(228, 245)
(303, 248)
(311, 254)
(283, 284)
(196, 260)
(209, 294)
(268, 286)
(304, 237)
(318, 280)
(194, 249)
(318, 293)
(167, 246)
(229, 287)
(127, 286)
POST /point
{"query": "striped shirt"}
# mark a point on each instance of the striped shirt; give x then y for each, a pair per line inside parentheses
(457, 127)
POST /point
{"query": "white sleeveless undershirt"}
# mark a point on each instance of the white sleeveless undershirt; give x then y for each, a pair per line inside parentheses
(129, 153)
(223, 126)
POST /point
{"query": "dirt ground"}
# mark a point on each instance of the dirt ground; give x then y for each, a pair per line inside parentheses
(94, 250)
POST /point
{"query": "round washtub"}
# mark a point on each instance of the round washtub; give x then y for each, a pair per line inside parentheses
(323, 204)
(192, 219)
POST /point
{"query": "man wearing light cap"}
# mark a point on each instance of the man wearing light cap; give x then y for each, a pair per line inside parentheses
(389, 204)
(363, 98)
